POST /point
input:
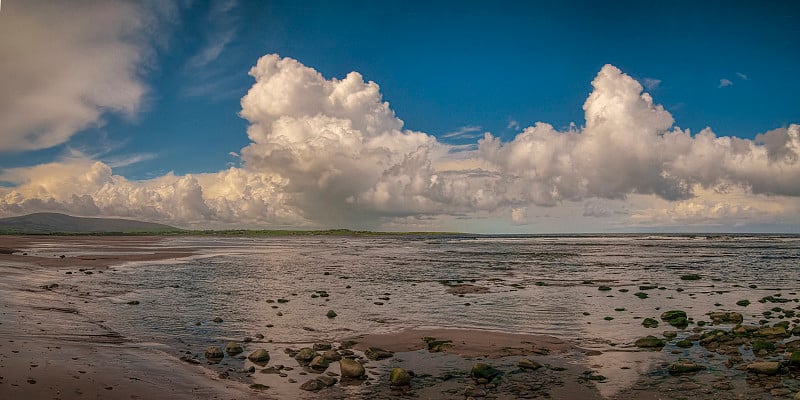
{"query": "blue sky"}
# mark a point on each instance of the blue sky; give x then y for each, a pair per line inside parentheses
(447, 67)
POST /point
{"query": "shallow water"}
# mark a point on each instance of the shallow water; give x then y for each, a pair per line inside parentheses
(537, 284)
(546, 285)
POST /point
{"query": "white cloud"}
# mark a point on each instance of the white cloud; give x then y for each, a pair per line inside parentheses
(512, 124)
(331, 152)
(65, 64)
(741, 75)
(725, 83)
(465, 132)
(652, 83)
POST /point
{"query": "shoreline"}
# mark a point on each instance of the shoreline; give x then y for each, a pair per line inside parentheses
(49, 350)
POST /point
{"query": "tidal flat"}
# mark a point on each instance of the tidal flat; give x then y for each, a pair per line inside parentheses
(420, 316)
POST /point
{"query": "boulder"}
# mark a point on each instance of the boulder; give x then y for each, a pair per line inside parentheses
(318, 363)
(259, 356)
(676, 318)
(327, 380)
(312, 385)
(351, 368)
(331, 355)
(771, 331)
(726, 317)
(214, 352)
(485, 371)
(399, 377)
(529, 364)
(650, 323)
(305, 355)
(649, 342)
(764, 367)
(233, 348)
(683, 367)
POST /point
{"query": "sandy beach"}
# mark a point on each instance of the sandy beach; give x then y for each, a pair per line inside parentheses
(53, 345)
(48, 350)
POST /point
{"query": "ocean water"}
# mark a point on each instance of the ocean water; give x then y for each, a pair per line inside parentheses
(539, 284)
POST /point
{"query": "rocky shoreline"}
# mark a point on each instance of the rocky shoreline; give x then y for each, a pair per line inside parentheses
(49, 348)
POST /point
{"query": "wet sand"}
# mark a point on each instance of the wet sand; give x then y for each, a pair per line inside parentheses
(50, 351)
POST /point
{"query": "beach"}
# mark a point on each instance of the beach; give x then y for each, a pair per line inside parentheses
(134, 317)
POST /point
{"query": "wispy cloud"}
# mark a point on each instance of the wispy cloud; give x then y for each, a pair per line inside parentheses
(743, 76)
(512, 124)
(463, 132)
(223, 29)
(130, 159)
(651, 83)
(725, 83)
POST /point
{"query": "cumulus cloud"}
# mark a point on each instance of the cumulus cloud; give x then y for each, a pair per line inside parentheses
(331, 152)
(65, 64)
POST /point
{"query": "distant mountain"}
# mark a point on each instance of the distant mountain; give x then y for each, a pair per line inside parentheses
(43, 223)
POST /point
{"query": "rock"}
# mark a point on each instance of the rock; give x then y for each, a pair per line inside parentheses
(259, 356)
(318, 363)
(685, 343)
(603, 288)
(331, 314)
(726, 317)
(331, 355)
(259, 336)
(690, 277)
(670, 334)
(322, 346)
(305, 355)
(683, 367)
(233, 348)
(649, 342)
(214, 352)
(436, 346)
(676, 318)
(131, 303)
(472, 391)
(764, 367)
(771, 331)
(797, 396)
(399, 377)
(794, 359)
(351, 368)
(743, 303)
(529, 364)
(327, 380)
(485, 371)
(258, 386)
(312, 385)
(217, 320)
(650, 323)
(374, 353)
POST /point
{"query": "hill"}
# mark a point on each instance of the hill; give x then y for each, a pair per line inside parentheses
(46, 223)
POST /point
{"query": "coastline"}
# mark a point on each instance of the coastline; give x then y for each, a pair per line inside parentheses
(48, 349)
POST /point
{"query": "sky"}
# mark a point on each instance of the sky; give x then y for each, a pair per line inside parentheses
(510, 117)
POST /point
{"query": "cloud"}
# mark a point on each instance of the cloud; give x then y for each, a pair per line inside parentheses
(651, 83)
(741, 75)
(725, 83)
(222, 30)
(331, 152)
(462, 132)
(66, 64)
(512, 124)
